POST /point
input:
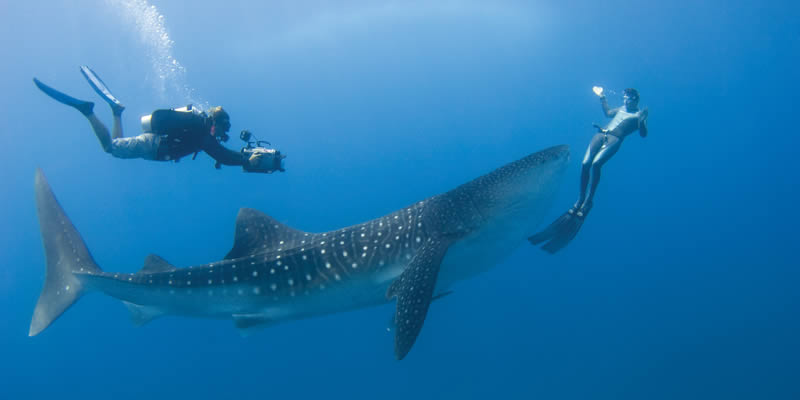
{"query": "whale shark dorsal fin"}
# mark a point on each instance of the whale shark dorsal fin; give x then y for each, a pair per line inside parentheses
(414, 292)
(154, 264)
(257, 232)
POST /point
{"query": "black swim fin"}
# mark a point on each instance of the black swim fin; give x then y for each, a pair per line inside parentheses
(85, 107)
(100, 87)
(560, 232)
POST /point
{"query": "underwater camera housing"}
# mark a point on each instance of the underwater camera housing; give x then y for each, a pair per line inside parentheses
(271, 160)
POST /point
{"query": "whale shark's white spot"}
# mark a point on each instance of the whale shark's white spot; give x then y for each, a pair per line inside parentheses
(255, 273)
(337, 277)
(328, 265)
(67, 288)
(285, 267)
(363, 255)
(344, 254)
(362, 235)
(419, 239)
(388, 245)
(273, 287)
(256, 290)
(354, 265)
(308, 277)
(291, 282)
(236, 279)
(272, 271)
(210, 281)
(281, 242)
(278, 263)
(170, 282)
(341, 242)
(304, 257)
(381, 263)
(188, 283)
(322, 251)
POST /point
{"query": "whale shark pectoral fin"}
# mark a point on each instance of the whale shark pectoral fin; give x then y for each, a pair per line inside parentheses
(247, 323)
(414, 292)
(154, 264)
(140, 314)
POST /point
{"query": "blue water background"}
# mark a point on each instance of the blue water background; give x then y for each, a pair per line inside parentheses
(683, 282)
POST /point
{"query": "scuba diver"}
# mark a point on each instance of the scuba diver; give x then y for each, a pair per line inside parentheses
(605, 143)
(169, 134)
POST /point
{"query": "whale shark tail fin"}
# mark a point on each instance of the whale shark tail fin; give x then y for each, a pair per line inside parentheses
(558, 234)
(65, 253)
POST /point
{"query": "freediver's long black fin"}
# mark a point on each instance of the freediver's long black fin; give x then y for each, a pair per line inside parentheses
(565, 235)
(551, 230)
(559, 233)
(85, 107)
(100, 87)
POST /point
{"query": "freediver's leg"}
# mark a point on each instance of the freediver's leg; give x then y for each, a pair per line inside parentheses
(594, 147)
(605, 154)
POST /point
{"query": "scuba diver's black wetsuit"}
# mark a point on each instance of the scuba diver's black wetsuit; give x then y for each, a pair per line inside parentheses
(184, 132)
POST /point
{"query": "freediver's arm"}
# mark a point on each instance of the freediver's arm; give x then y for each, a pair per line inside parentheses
(643, 123)
(609, 112)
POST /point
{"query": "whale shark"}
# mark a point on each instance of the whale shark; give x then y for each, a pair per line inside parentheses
(275, 273)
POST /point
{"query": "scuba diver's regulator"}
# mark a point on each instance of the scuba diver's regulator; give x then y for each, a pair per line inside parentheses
(270, 160)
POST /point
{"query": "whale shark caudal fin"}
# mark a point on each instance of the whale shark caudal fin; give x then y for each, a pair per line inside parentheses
(257, 232)
(559, 233)
(414, 292)
(65, 252)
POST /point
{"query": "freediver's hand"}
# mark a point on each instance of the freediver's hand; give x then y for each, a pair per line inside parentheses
(643, 115)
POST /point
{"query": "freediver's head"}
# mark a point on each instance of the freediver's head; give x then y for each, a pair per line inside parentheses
(220, 123)
(630, 97)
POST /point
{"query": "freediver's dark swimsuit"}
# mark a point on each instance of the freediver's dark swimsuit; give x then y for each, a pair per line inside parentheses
(183, 133)
(604, 145)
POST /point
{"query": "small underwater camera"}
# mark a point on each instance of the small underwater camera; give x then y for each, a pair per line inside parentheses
(271, 160)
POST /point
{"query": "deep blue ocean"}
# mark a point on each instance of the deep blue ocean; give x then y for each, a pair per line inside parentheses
(682, 284)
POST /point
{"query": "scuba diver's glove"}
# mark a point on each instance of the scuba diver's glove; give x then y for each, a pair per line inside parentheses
(261, 159)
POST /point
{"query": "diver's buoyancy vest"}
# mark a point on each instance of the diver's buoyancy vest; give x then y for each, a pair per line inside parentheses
(182, 130)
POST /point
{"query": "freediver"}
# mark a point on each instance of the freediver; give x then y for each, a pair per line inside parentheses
(169, 134)
(605, 143)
